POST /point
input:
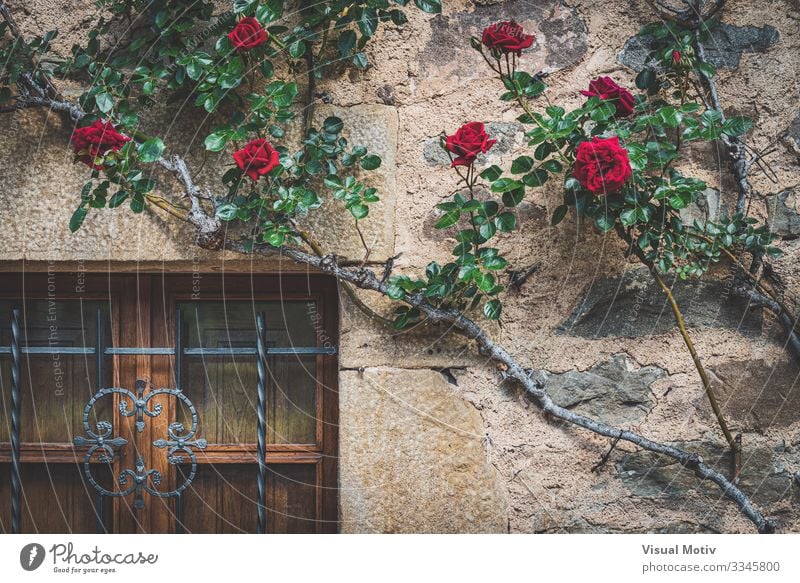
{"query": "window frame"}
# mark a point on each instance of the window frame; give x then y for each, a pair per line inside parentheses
(147, 303)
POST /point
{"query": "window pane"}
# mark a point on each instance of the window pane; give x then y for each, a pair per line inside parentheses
(288, 323)
(224, 388)
(55, 388)
(291, 399)
(56, 498)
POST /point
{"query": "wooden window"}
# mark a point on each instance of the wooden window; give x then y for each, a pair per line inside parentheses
(301, 411)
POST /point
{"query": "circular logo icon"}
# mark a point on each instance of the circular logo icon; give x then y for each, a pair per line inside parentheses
(31, 556)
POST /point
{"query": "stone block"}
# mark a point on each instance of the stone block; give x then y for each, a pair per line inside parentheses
(374, 127)
(633, 305)
(412, 457)
(616, 391)
(782, 214)
(763, 477)
(723, 50)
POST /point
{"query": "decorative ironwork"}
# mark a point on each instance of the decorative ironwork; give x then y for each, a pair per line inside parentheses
(139, 480)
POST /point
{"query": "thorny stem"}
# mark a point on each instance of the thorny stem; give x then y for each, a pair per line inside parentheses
(676, 311)
(712, 398)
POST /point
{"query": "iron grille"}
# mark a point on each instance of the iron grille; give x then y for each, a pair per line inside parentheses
(180, 442)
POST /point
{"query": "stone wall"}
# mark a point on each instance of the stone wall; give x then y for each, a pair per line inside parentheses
(432, 440)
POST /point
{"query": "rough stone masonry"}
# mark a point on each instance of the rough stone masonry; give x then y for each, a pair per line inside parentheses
(432, 440)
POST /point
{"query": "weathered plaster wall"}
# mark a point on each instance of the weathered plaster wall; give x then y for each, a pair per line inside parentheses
(432, 440)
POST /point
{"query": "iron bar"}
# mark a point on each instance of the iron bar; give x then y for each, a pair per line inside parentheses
(132, 351)
(75, 350)
(178, 352)
(261, 430)
(100, 524)
(16, 411)
(140, 351)
(179, 527)
(99, 350)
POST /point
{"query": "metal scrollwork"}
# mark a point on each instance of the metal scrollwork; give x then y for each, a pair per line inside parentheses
(180, 443)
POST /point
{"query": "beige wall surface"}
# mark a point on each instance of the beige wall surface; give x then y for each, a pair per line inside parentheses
(432, 440)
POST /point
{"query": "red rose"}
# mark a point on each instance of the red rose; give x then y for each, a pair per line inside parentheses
(602, 165)
(506, 37)
(248, 34)
(257, 158)
(606, 89)
(676, 58)
(96, 140)
(469, 141)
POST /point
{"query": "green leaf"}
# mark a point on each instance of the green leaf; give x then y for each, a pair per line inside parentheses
(506, 222)
(492, 309)
(736, 126)
(536, 178)
(646, 79)
(118, 198)
(628, 217)
(558, 214)
(360, 60)
(492, 173)
(370, 162)
(137, 202)
(104, 101)
(513, 197)
(522, 165)
(77, 218)
(552, 166)
(429, 6)
(705, 69)
(347, 40)
(604, 222)
(151, 150)
(297, 49)
(359, 211)
(216, 141)
(710, 117)
(395, 292)
(227, 212)
(449, 219)
(505, 184)
(368, 23)
(332, 125)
